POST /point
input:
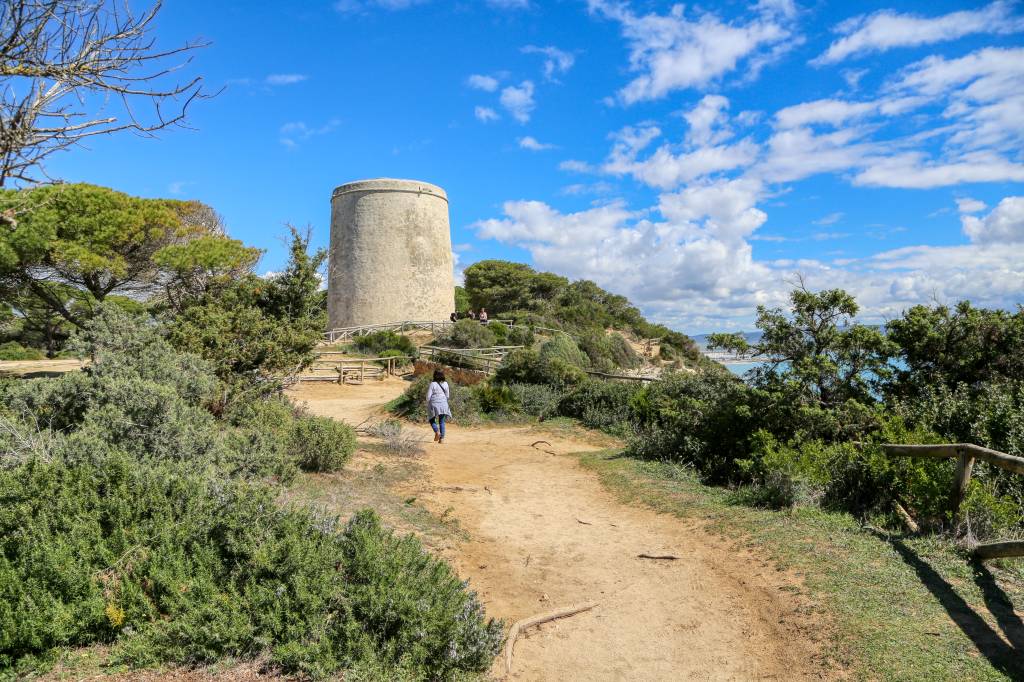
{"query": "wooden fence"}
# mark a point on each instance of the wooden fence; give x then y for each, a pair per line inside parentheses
(483, 359)
(353, 370)
(346, 333)
(966, 454)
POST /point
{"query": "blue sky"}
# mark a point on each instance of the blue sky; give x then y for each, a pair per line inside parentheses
(694, 158)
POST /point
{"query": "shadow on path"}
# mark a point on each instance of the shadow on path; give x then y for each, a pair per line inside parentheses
(1005, 652)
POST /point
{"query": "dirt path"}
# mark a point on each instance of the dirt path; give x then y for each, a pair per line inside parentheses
(544, 534)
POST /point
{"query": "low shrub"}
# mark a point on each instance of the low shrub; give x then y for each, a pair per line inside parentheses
(500, 332)
(12, 350)
(561, 348)
(385, 341)
(467, 334)
(608, 352)
(321, 444)
(536, 400)
(554, 364)
(601, 404)
(171, 566)
(520, 336)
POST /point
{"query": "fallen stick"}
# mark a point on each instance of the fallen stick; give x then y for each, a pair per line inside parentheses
(670, 557)
(521, 625)
(535, 444)
(585, 523)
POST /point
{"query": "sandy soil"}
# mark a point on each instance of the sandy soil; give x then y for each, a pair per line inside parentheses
(544, 534)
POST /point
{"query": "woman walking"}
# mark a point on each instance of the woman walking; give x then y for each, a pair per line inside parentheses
(437, 405)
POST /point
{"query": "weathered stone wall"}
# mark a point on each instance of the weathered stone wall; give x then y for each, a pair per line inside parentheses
(390, 255)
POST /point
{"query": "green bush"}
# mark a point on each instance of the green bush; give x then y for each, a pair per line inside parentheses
(12, 350)
(411, 607)
(321, 444)
(536, 400)
(385, 341)
(467, 334)
(500, 332)
(601, 404)
(520, 336)
(561, 348)
(495, 398)
(608, 352)
(172, 566)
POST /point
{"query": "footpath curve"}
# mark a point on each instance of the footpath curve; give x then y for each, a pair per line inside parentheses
(544, 534)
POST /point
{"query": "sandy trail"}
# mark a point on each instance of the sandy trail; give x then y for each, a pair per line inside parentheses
(545, 534)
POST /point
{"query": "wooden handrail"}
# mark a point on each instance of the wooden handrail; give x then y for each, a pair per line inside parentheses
(999, 459)
(966, 453)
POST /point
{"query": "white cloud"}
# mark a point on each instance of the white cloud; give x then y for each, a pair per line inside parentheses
(830, 111)
(708, 121)
(694, 267)
(887, 29)
(509, 4)
(357, 6)
(853, 77)
(178, 186)
(1004, 224)
(969, 205)
(518, 100)
(533, 145)
(912, 170)
(830, 219)
(295, 132)
(985, 91)
(480, 82)
(486, 114)
(665, 169)
(576, 166)
(285, 78)
(581, 188)
(556, 62)
(672, 52)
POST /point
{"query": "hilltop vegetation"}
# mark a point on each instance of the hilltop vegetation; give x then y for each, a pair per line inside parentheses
(583, 309)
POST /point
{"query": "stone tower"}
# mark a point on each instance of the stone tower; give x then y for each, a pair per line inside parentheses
(390, 255)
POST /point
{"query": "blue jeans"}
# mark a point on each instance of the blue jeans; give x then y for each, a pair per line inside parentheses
(434, 422)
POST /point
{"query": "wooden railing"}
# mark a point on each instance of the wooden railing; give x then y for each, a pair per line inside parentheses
(966, 454)
(345, 333)
(619, 377)
(484, 359)
(348, 370)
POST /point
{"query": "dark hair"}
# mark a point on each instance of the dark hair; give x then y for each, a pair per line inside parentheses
(438, 376)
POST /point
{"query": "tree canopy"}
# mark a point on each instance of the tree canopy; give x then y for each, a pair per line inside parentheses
(92, 242)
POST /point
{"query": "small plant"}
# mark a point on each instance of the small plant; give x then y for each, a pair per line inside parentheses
(381, 342)
(12, 350)
(395, 439)
(321, 444)
(467, 334)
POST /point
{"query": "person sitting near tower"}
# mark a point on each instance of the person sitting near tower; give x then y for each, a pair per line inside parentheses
(454, 317)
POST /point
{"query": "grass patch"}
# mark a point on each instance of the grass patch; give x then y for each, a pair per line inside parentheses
(905, 608)
(372, 481)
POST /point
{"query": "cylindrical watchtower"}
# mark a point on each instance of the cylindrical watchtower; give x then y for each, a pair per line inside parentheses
(391, 253)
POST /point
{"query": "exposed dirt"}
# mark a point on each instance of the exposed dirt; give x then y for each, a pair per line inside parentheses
(544, 534)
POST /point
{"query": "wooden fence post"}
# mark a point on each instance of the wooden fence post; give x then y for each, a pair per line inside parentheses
(963, 477)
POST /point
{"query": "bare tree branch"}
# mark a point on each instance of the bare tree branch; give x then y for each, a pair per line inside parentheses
(74, 69)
